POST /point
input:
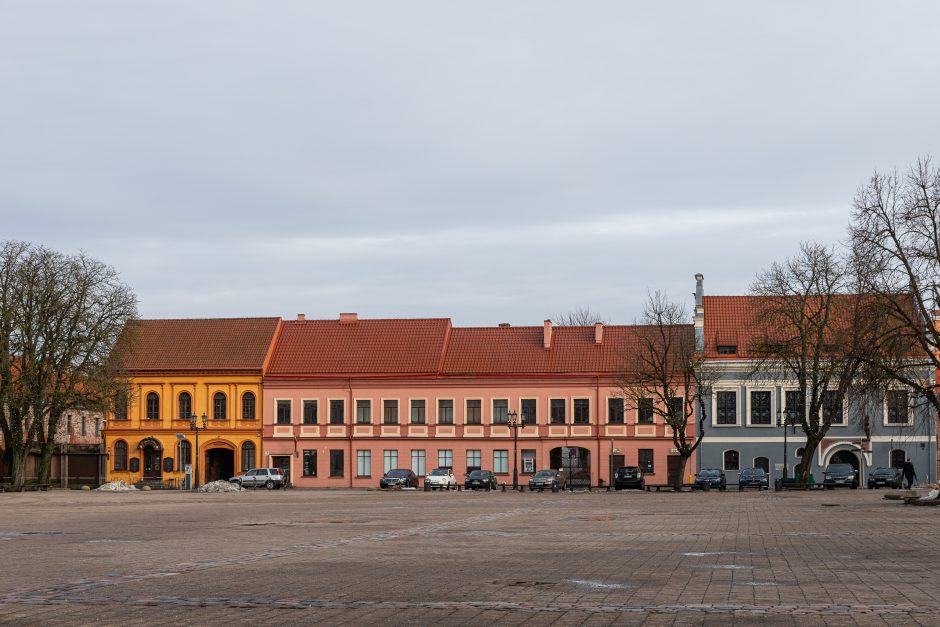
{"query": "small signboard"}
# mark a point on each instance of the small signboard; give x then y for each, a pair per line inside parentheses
(778, 466)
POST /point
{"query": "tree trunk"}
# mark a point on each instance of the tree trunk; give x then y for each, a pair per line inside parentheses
(806, 461)
(18, 456)
(45, 462)
(683, 460)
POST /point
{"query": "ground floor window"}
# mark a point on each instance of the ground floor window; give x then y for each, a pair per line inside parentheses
(120, 455)
(528, 461)
(445, 458)
(391, 460)
(763, 463)
(898, 457)
(500, 461)
(310, 463)
(473, 460)
(248, 456)
(337, 463)
(732, 461)
(418, 462)
(364, 463)
(645, 460)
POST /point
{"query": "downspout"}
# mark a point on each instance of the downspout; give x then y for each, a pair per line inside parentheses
(349, 430)
(597, 423)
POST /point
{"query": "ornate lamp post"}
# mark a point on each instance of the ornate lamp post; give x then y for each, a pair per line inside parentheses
(513, 423)
(195, 427)
(788, 420)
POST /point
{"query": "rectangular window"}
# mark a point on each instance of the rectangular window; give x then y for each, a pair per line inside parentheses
(418, 410)
(677, 409)
(445, 458)
(391, 460)
(645, 460)
(582, 411)
(500, 411)
(363, 413)
(760, 408)
(832, 408)
(727, 408)
(615, 411)
(500, 461)
(527, 405)
(337, 412)
(418, 462)
(728, 350)
(310, 463)
(310, 412)
(528, 461)
(390, 412)
(644, 411)
(897, 407)
(473, 460)
(364, 463)
(337, 463)
(445, 412)
(474, 412)
(556, 411)
(120, 406)
(283, 412)
(795, 406)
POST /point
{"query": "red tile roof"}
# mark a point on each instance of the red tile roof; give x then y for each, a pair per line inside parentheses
(360, 347)
(198, 344)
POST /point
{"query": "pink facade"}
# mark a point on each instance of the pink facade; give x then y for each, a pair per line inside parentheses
(343, 424)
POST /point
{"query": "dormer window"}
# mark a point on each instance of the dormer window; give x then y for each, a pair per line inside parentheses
(727, 349)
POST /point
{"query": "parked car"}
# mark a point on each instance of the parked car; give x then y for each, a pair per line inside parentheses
(628, 477)
(887, 477)
(399, 477)
(480, 480)
(440, 478)
(840, 475)
(548, 478)
(710, 478)
(270, 478)
(753, 478)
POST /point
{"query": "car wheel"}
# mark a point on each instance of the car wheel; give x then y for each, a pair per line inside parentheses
(238, 483)
(855, 486)
(740, 488)
(269, 484)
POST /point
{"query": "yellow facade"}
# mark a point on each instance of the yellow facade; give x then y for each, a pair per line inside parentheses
(230, 443)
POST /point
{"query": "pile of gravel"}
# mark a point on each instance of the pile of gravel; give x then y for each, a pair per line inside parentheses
(115, 486)
(220, 486)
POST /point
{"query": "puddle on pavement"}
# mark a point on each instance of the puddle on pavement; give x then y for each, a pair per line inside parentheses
(708, 553)
(723, 566)
(597, 585)
(756, 583)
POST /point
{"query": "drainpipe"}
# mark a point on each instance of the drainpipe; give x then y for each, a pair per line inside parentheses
(349, 429)
(597, 424)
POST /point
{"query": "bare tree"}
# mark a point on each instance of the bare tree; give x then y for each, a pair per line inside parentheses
(61, 316)
(813, 330)
(580, 317)
(665, 374)
(895, 235)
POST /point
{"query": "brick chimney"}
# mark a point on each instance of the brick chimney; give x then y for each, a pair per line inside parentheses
(301, 317)
(598, 333)
(547, 334)
(348, 318)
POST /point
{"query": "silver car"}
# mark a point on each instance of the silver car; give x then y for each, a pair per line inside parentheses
(270, 478)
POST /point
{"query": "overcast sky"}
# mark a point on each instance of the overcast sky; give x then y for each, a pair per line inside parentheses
(485, 161)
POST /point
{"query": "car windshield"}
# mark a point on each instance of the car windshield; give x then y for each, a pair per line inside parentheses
(884, 471)
(708, 473)
(840, 468)
(396, 473)
(476, 474)
(753, 472)
(543, 474)
(627, 470)
(439, 472)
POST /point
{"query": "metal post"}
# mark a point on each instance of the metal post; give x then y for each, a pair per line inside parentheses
(785, 460)
(514, 425)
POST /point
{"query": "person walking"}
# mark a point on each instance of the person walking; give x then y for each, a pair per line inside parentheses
(907, 471)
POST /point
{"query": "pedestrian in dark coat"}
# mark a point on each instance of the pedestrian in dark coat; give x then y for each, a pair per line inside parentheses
(908, 472)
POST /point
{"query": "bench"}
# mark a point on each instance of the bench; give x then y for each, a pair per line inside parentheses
(685, 487)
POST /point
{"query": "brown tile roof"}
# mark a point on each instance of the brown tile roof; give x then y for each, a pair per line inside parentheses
(730, 321)
(198, 344)
(362, 347)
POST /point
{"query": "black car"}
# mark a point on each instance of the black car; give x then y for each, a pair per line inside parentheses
(840, 476)
(753, 478)
(887, 477)
(628, 477)
(708, 478)
(547, 479)
(399, 478)
(480, 480)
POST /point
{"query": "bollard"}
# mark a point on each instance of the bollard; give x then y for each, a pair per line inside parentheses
(504, 488)
(555, 487)
(427, 488)
(487, 488)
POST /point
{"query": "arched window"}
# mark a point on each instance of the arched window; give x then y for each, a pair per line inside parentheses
(153, 406)
(248, 406)
(185, 406)
(799, 452)
(248, 456)
(185, 453)
(218, 406)
(762, 462)
(120, 406)
(898, 457)
(120, 455)
(732, 460)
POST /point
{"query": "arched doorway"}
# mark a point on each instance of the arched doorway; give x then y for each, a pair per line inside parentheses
(574, 462)
(152, 456)
(845, 457)
(763, 463)
(220, 464)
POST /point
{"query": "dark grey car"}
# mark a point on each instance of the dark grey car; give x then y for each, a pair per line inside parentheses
(840, 476)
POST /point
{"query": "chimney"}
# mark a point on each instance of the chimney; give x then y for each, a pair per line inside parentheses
(699, 317)
(301, 317)
(504, 325)
(348, 318)
(598, 333)
(547, 334)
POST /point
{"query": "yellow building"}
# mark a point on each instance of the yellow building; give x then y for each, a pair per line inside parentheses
(183, 373)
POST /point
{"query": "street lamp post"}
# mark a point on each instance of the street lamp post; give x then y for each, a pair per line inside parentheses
(513, 423)
(788, 420)
(195, 427)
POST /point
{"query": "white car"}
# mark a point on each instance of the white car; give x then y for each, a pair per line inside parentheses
(442, 478)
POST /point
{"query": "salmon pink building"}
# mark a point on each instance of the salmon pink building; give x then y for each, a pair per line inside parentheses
(346, 400)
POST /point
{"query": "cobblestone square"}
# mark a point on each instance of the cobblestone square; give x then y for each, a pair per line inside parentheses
(410, 557)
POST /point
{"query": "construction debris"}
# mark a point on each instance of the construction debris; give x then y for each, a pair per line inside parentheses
(220, 486)
(116, 486)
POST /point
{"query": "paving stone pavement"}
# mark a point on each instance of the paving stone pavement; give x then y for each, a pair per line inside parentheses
(352, 557)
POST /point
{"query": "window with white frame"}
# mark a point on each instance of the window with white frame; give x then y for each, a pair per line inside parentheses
(726, 408)
(760, 408)
(500, 411)
(337, 412)
(445, 411)
(364, 463)
(445, 458)
(832, 411)
(390, 412)
(474, 459)
(795, 402)
(500, 461)
(474, 412)
(527, 407)
(418, 412)
(283, 412)
(732, 460)
(896, 407)
(418, 462)
(582, 411)
(391, 459)
(363, 412)
(615, 411)
(310, 412)
(644, 411)
(556, 408)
